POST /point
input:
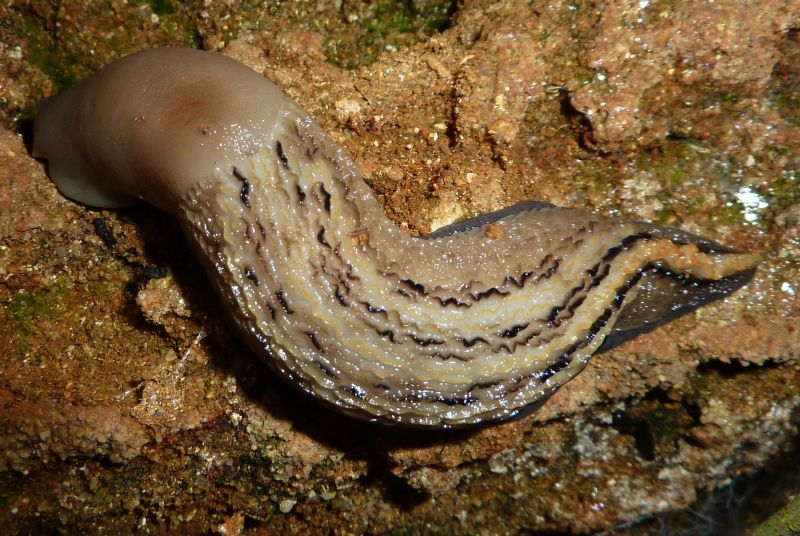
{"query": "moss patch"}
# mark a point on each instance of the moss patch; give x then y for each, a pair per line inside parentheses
(60, 64)
(395, 24)
(24, 308)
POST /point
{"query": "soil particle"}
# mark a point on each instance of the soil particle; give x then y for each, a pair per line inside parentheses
(45, 431)
(161, 297)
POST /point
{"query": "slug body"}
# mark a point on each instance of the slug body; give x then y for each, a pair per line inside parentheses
(478, 322)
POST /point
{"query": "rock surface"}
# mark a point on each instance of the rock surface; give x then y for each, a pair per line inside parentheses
(127, 404)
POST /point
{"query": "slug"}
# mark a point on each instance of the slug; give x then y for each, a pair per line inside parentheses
(475, 323)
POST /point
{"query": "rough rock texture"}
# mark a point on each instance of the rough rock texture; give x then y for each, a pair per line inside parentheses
(126, 403)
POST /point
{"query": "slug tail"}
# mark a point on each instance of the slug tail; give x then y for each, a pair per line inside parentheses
(673, 287)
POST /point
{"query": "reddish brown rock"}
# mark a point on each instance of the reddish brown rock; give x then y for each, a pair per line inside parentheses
(202, 436)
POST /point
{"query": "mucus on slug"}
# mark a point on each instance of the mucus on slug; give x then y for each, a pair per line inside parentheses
(331, 294)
